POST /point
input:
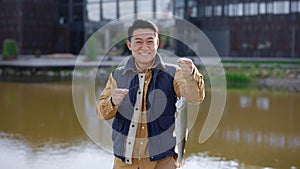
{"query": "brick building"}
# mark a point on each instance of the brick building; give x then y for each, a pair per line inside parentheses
(266, 28)
(32, 23)
(42, 25)
(239, 28)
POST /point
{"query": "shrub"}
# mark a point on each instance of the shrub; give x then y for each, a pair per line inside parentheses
(91, 49)
(10, 49)
(37, 53)
(237, 80)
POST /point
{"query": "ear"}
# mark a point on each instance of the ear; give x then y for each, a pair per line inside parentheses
(128, 43)
(157, 37)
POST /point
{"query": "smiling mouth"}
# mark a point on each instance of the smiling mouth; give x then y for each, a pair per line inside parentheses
(144, 53)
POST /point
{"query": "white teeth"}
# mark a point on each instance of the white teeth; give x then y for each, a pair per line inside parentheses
(144, 54)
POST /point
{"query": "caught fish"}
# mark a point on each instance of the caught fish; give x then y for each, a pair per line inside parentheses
(181, 130)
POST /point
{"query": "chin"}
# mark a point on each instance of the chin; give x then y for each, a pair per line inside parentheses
(146, 57)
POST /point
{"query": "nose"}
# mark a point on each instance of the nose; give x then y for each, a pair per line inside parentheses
(145, 46)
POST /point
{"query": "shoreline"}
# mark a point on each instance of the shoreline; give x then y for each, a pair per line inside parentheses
(260, 72)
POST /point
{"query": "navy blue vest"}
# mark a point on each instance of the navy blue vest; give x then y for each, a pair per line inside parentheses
(161, 99)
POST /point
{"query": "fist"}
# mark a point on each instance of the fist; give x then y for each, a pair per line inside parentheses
(118, 96)
(186, 65)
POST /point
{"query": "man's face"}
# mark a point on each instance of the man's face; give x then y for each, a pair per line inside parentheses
(143, 45)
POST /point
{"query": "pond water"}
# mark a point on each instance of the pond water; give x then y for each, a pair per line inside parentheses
(39, 128)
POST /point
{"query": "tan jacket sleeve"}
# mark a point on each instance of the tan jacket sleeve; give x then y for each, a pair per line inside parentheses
(190, 87)
(105, 109)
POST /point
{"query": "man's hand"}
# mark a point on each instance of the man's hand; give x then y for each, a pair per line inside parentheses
(187, 66)
(118, 96)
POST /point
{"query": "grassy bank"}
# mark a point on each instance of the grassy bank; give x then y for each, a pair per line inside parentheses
(246, 73)
(260, 62)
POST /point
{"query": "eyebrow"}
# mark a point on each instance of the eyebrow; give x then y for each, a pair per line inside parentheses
(149, 38)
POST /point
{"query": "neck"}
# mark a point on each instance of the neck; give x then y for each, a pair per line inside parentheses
(143, 67)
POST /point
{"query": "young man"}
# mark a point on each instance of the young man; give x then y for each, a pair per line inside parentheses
(141, 97)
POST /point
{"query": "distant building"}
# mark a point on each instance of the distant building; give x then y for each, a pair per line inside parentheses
(31, 22)
(267, 28)
(238, 28)
(70, 23)
(43, 25)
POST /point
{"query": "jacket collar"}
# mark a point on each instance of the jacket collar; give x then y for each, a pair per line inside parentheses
(130, 64)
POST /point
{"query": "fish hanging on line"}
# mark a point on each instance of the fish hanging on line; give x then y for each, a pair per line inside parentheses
(181, 130)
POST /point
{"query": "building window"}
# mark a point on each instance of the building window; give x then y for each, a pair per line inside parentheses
(109, 10)
(77, 13)
(93, 11)
(165, 7)
(226, 10)
(294, 6)
(262, 8)
(126, 8)
(208, 11)
(236, 9)
(144, 6)
(281, 7)
(231, 9)
(179, 8)
(253, 8)
(192, 8)
(218, 10)
(270, 8)
(64, 13)
(201, 10)
(239, 10)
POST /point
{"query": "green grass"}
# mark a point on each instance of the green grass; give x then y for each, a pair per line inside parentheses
(261, 62)
(246, 73)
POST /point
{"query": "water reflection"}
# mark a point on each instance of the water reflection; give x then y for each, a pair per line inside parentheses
(38, 111)
(258, 127)
(38, 121)
(262, 103)
(14, 154)
(274, 140)
(245, 101)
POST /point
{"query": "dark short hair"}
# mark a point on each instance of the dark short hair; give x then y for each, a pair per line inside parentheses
(141, 24)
